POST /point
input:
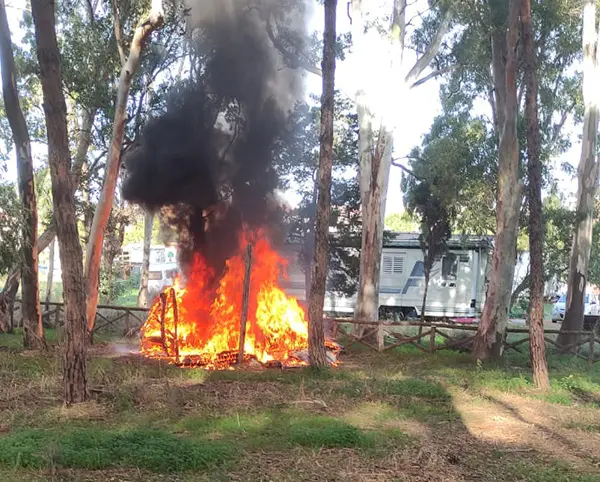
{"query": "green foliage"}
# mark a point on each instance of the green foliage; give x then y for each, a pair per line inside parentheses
(463, 148)
(10, 227)
(401, 223)
(297, 163)
(96, 449)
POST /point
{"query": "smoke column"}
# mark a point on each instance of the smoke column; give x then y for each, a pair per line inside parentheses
(208, 158)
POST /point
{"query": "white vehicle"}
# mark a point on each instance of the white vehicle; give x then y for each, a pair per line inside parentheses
(591, 307)
(161, 276)
(457, 284)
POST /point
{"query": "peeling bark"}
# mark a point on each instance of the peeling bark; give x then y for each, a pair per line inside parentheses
(316, 335)
(537, 347)
(376, 143)
(153, 21)
(59, 160)
(492, 328)
(587, 175)
(33, 330)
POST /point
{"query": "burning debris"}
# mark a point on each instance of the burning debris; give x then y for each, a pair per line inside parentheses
(189, 327)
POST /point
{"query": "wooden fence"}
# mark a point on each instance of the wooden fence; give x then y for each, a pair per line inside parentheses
(132, 316)
(384, 335)
(379, 335)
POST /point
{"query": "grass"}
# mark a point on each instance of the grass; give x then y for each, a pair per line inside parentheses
(400, 415)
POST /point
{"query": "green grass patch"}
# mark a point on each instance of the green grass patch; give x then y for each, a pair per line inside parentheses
(95, 449)
(537, 472)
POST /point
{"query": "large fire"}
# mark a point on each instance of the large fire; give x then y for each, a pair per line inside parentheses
(199, 325)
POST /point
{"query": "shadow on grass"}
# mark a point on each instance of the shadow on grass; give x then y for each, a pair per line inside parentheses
(164, 419)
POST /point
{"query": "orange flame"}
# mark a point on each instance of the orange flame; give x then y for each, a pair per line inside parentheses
(202, 325)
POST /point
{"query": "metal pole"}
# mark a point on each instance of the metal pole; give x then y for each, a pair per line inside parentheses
(245, 301)
(175, 323)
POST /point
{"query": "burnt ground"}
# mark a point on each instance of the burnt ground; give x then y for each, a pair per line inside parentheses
(398, 416)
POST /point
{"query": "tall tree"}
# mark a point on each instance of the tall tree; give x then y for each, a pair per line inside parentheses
(376, 132)
(33, 330)
(320, 264)
(59, 160)
(490, 332)
(537, 348)
(153, 21)
(145, 272)
(587, 175)
(436, 217)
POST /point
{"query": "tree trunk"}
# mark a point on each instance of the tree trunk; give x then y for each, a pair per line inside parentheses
(316, 336)
(537, 347)
(309, 242)
(94, 247)
(7, 298)
(59, 160)
(427, 275)
(145, 273)
(375, 163)
(44, 240)
(491, 330)
(522, 286)
(375, 138)
(50, 279)
(33, 330)
(587, 175)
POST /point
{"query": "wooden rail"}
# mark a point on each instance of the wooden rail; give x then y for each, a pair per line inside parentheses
(379, 336)
(53, 313)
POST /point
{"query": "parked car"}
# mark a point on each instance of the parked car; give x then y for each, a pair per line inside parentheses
(591, 307)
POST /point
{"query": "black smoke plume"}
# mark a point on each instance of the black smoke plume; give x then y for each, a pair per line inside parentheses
(207, 161)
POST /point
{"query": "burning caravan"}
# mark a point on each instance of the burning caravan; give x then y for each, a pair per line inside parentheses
(457, 285)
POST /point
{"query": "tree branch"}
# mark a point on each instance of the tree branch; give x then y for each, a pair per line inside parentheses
(431, 50)
(293, 60)
(432, 75)
(405, 169)
(118, 33)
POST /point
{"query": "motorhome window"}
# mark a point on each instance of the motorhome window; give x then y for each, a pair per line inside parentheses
(155, 275)
(387, 265)
(449, 267)
(398, 264)
(392, 265)
(464, 258)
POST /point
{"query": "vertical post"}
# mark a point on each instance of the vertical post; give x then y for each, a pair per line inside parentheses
(127, 323)
(163, 302)
(379, 335)
(175, 323)
(57, 316)
(432, 339)
(591, 349)
(245, 301)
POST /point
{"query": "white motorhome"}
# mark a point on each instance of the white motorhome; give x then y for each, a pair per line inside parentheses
(457, 284)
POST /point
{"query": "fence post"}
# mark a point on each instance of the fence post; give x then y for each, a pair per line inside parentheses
(432, 339)
(127, 322)
(379, 335)
(591, 349)
(57, 316)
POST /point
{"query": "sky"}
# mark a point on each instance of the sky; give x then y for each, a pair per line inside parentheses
(422, 105)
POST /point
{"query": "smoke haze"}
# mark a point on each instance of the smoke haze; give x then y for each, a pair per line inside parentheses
(207, 161)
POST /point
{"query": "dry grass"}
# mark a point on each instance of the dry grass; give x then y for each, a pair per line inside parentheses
(399, 416)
